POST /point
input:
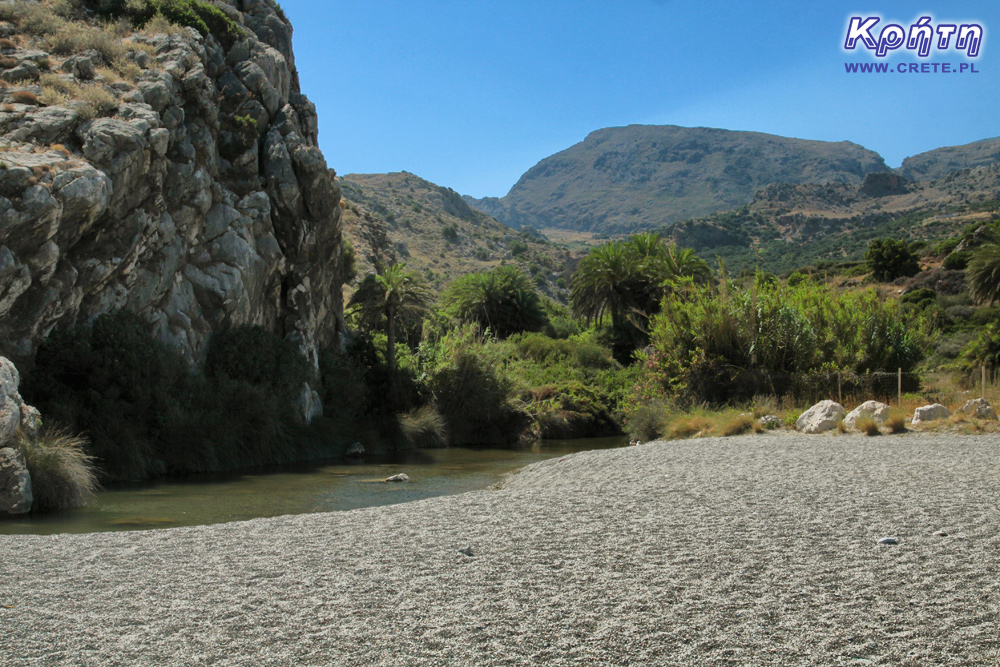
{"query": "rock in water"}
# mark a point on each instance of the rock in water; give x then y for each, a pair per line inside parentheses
(821, 417)
(979, 408)
(874, 410)
(930, 413)
(15, 483)
(401, 477)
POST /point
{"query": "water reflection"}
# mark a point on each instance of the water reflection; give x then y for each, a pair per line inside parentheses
(206, 499)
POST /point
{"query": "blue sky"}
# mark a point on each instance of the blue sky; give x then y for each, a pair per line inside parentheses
(470, 95)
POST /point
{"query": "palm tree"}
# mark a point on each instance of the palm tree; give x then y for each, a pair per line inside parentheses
(606, 281)
(391, 295)
(503, 300)
(983, 273)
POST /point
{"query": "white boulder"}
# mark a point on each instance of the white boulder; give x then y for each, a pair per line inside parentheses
(821, 417)
(930, 413)
(874, 410)
(979, 407)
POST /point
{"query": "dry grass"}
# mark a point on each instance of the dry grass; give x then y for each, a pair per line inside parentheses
(62, 474)
(896, 421)
(159, 25)
(686, 426)
(7, 44)
(6, 62)
(24, 97)
(867, 426)
(424, 428)
(737, 425)
(103, 102)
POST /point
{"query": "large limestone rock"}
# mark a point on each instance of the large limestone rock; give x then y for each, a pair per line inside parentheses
(200, 200)
(15, 483)
(14, 412)
(930, 413)
(874, 410)
(979, 408)
(821, 417)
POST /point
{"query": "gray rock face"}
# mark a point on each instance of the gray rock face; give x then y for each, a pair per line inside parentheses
(874, 410)
(15, 483)
(821, 417)
(930, 413)
(14, 412)
(979, 408)
(173, 207)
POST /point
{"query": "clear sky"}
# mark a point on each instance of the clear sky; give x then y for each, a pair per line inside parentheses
(470, 94)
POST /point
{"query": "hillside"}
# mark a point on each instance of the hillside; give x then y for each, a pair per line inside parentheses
(623, 179)
(940, 162)
(402, 217)
(789, 226)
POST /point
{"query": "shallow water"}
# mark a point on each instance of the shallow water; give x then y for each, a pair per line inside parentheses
(207, 499)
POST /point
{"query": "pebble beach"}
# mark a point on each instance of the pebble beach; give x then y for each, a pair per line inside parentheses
(752, 550)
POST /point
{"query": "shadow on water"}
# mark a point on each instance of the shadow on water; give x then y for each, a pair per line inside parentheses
(298, 489)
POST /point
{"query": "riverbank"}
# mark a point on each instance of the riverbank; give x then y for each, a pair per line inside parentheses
(753, 550)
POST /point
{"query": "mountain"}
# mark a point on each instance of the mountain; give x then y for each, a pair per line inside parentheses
(940, 162)
(171, 170)
(623, 179)
(400, 217)
(788, 226)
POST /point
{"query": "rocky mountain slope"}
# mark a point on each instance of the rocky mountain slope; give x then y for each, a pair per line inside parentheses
(402, 217)
(171, 170)
(637, 177)
(789, 226)
(940, 162)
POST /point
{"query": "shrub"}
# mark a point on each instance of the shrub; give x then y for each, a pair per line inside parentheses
(646, 421)
(254, 355)
(62, 474)
(475, 403)
(867, 426)
(687, 426)
(889, 259)
(449, 232)
(502, 300)
(956, 261)
(896, 422)
(100, 100)
(424, 428)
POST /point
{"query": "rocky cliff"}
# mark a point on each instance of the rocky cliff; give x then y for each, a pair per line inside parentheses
(167, 170)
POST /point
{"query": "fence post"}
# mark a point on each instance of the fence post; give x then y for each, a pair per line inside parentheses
(899, 388)
(984, 381)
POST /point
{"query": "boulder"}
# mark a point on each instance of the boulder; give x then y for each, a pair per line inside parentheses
(355, 451)
(930, 413)
(980, 408)
(870, 410)
(15, 483)
(821, 417)
(309, 406)
(770, 421)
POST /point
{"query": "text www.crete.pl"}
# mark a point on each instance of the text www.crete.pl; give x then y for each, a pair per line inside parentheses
(911, 68)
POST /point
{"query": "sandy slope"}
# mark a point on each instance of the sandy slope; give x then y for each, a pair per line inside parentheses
(757, 550)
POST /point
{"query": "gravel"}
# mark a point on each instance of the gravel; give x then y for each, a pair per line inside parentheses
(756, 550)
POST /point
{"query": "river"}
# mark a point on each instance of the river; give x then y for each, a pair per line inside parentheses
(207, 499)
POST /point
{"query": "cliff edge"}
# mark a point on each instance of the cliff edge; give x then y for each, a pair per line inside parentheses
(165, 163)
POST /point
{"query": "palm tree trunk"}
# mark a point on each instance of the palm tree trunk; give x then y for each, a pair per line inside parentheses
(390, 342)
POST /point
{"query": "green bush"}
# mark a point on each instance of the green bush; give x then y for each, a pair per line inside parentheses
(889, 259)
(62, 473)
(956, 261)
(146, 413)
(475, 402)
(203, 16)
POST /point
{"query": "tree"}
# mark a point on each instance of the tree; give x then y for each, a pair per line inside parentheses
(607, 281)
(388, 297)
(503, 300)
(983, 273)
(889, 259)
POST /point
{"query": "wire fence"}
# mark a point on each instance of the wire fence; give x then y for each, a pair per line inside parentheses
(898, 388)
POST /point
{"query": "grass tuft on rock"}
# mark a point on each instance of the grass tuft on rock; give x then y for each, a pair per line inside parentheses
(867, 426)
(63, 475)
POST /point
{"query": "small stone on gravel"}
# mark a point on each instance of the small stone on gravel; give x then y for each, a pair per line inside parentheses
(467, 551)
(941, 533)
(888, 540)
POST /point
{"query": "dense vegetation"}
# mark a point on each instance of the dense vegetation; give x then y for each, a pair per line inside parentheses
(651, 330)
